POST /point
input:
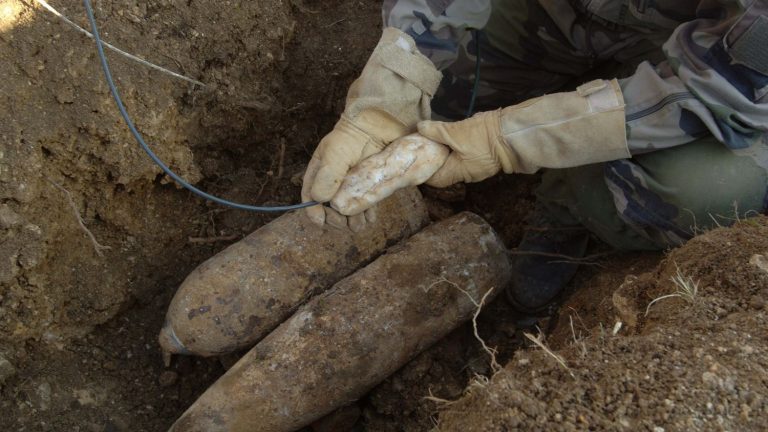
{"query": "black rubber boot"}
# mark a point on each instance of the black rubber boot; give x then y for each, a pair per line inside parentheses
(538, 279)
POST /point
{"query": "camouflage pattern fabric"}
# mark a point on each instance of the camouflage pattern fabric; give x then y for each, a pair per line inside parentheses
(695, 81)
(661, 199)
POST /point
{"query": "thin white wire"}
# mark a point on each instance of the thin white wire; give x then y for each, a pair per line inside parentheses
(50, 9)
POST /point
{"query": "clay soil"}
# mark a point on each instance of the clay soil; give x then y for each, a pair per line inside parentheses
(78, 322)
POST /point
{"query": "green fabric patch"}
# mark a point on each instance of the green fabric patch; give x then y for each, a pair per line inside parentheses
(751, 49)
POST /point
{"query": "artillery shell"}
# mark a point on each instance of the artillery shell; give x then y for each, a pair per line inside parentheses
(238, 296)
(342, 343)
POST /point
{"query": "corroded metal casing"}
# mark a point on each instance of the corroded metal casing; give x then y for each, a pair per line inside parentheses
(343, 342)
(235, 298)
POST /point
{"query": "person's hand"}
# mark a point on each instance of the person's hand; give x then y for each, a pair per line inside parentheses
(476, 148)
(560, 130)
(386, 102)
(338, 151)
(408, 161)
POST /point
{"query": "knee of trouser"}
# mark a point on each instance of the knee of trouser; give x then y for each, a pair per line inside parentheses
(673, 194)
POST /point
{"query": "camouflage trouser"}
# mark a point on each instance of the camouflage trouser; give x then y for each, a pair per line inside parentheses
(660, 199)
(652, 201)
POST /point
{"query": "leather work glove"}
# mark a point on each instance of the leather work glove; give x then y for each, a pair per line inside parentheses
(389, 98)
(559, 130)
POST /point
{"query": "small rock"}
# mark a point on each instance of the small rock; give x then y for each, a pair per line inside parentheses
(709, 378)
(728, 384)
(44, 392)
(720, 312)
(759, 261)
(8, 217)
(745, 411)
(7, 369)
(297, 178)
(168, 378)
(757, 302)
(65, 94)
(626, 305)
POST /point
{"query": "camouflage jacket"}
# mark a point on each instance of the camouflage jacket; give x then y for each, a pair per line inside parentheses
(714, 79)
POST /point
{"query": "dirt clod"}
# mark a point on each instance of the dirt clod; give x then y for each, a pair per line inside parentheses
(7, 369)
(168, 378)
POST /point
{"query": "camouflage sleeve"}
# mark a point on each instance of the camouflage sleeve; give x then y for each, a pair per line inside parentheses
(714, 81)
(439, 27)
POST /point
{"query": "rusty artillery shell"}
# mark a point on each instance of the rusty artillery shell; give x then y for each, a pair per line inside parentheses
(343, 342)
(235, 298)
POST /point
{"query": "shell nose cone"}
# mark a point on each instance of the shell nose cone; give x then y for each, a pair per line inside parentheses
(170, 342)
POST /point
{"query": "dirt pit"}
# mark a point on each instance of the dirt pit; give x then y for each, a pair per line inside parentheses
(78, 322)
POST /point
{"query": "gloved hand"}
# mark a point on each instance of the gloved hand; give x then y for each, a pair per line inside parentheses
(559, 130)
(389, 98)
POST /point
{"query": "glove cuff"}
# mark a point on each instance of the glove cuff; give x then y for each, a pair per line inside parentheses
(564, 130)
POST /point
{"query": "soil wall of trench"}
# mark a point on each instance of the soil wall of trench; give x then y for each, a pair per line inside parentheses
(78, 322)
(275, 74)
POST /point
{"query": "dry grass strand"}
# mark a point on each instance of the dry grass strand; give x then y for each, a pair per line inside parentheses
(540, 343)
(685, 288)
(495, 366)
(98, 247)
(130, 56)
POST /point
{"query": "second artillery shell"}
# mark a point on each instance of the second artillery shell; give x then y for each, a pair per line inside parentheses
(236, 297)
(342, 343)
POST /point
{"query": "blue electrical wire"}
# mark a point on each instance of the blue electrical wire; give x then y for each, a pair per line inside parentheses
(476, 83)
(152, 155)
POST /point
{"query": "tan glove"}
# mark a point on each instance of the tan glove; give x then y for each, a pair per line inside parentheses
(389, 98)
(559, 130)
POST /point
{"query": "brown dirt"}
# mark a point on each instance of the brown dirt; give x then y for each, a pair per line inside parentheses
(689, 365)
(263, 92)
(80, 328)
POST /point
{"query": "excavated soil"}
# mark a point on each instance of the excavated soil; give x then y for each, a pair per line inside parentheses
(696, 361)
(78, 322)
